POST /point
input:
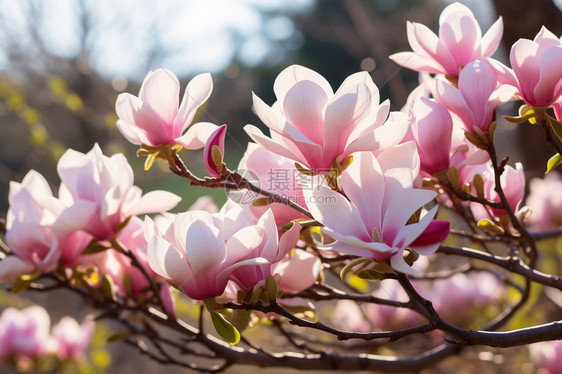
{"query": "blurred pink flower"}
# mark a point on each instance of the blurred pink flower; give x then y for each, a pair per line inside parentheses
(547, 356)
(477, 96)
(374, 225)
(513, 185)
(457, 297)
(72, 338)
(315, 127)
(460, 41)
(153, 118)
(107, 182)
(25, 335)
(199, 250)
(545, 201)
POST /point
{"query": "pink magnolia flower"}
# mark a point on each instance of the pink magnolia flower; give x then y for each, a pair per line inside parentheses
(153, 118)
(107, 182)
(545, 201)
(215, 139)
(547, 356)
(477, 96)
(536, 69)
(513, 185)
(432, 130)
(276, 174)
(42, 231)
(199, 250)
(298, 272)
(457, 297)
(72, 338)
(460, 41)
(374, 225)
(25, 335)
(315, 127)
(130, 281)
(272, 248)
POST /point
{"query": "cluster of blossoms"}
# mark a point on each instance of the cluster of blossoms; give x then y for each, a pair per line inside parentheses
(26, 337)
(342, 178)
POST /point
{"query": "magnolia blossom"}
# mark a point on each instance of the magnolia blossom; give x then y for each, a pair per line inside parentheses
(129, 281)
(374, 225)
(42, 231)
(25, 335)
(72, 338)
(272, 248)
(456, 298)
(153, 118)
(315, 127)
(199, 251)
(298, 271)
(513, 185)
(432, 129)
(536, 69)
(276, 174)
(545, 201)
(547, 356)
(477, 96)
(107, 182)
(460, 41)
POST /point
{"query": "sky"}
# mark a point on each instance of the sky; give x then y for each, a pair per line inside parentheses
(189, 36)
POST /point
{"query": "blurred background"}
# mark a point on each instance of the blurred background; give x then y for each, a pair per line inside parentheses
(63, 63)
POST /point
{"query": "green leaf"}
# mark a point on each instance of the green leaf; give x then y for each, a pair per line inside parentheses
(242, 319)
(21, 284)
(94, 247)
(149, 161)
(271, 288)
(475, 140)
(117, 336)
(225, 329)
(553, 162)
(490, 226)
(556, 126)
(478, 184)
(261, 201)
(370, 274)
(347, 268)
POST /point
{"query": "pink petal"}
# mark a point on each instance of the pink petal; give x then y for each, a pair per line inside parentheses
(363, 176)
(268, 116)
(550, 76)
(196, 93)
(160, 90)
(196, 136)
(154, 202)
(275, 147)
(167, 261)
(205, 249)
(492, 38)
(296, 73)
(13, 267)
(303, 106)
(334, 211)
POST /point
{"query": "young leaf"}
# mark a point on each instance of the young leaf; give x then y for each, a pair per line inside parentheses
(553, 162)
(225, 328)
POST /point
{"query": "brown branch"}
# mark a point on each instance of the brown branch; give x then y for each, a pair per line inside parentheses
(512, 264)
